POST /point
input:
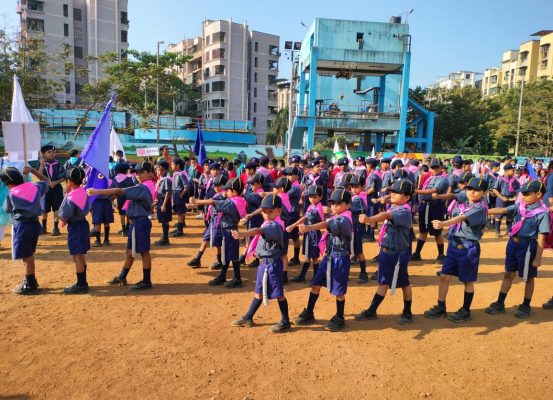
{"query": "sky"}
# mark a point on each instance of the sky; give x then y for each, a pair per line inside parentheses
(447, 36)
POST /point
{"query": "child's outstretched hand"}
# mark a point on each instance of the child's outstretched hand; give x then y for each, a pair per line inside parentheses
(27, 170)
(437, 224)
(91, 192)
(236, 235)
(289, 229)
(192, 200)
(364, 219)
(303, 228)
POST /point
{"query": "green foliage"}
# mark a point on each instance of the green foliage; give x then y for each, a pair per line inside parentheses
(327, 145)
(279, 126)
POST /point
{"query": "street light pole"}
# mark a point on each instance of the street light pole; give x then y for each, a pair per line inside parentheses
(519, 116)
(290, 105)
(157, 88)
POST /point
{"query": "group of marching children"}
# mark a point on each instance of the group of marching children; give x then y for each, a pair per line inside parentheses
(335, 211)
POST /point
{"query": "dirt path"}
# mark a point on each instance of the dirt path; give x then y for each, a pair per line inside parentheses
(176, 342)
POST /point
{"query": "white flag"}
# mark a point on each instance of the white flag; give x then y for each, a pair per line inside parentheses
(372, 153)
(115, 143)
(20, 112)
(348, 156)
(335, 151)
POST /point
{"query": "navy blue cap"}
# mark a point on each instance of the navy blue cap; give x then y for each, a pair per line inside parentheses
(312, 163)
(254, 160)
(404, 186)
(315, 190)
(357, 180)
(397, 162)
(46, 148)
(11, 175)
(385, 161)
(371, 161)
(283, 183)
(400, 174)
(414, 162)
(214, 165)
(222, 160)
(250, 165)
(341, 195)
(342, 161)
(121, 168)
(144, 166)
(436, 162)
(235, 184)
(322, 157)
(360, 158)
(508, 167)
(264, 160)
(495, 164)
(258, 178)
(271, 201)
(163, 164)
(220, 180)
(457, 160)
(294, 159)
(478, 184)
(291, 171)
(533, 187)
(467, 176)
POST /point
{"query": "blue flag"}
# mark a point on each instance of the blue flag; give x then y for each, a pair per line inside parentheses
(96, 180)
(531, 170)
(199, 147)
(96, 151)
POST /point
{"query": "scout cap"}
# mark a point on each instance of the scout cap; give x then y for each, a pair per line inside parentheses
(341, 195)
(271, 201)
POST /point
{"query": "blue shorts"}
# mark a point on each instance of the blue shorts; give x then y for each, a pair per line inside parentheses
(515, 256)
(25, 238)
(230, 247)
(142, 228)
(436, 210)
(275, 288)
(462, 260)
(217, 237)
(311, 240)
(78, 237)
(164, 217)
(179, 203)
(120, 201)
(53, 199)
(358, 232)
(387, 264)
(102, 212)
(502, 204)
(340, 264)
(294, 217)
(286, 238)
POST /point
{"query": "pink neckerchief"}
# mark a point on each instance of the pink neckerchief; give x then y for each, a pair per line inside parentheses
(522, 209)
(377, 173)
(384, 228)
(208, 214)
(465, 207)
(314, 179)
(510, 182)
(255, 240)
(78, 197)
(322, 242)
(319, 208)
(451, 206)
(264, 171)
(50, 165)
(457, 172)
(296, 183)
(26, 191)
(152, 189)
(285, 201)
(186, 175)
(120, 177)
(363, 197)
(260, 190)
(413, 169)
(208, 184)
(428, 181)
(240, 204)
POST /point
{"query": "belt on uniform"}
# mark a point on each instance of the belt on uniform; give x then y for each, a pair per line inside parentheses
(137, 219)
(518, 239)
(27, 220)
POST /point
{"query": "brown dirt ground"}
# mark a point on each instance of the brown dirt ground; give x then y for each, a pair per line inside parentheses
(176, 342)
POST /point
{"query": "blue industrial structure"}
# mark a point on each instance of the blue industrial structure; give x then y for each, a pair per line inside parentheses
(353, 79)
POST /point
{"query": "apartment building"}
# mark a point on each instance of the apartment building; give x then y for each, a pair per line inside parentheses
(532, 61)
(89, 28)
(283, 94)
(234, 70)
(454, 80)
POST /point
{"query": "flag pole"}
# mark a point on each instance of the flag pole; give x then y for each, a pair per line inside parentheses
(24, 144)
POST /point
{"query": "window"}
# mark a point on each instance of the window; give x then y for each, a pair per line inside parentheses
(544, 51)
(493, 79)
(207, 56)
(255, 62)
(218, 103)
(124, 17)
(66, 10)
(358, 85)
(218, 116)
(269, 122)
(123, 36)
(255, 76)
(543, 64)
(77, 88)
(207, 88)
(273, 64)
(254, 107)
(207, 40)
(467, 76)
(273, 50)
(65, 29)
(254, 92)
(77, 14)
(256, 46)
(36, 25)
(272, 79)
(35, 5)
(359, 40)
(218, 86)
(218, 37)
(254, 122)
(67, 87)
(78, 33)
(206, 73)
(219, 70)
(78, 52)
(217, 53)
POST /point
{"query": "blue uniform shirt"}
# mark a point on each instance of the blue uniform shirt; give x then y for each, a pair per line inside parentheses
(71, 212)
(141, 201)
(26, 208)
(180, 182)
(473, 227)
(503, 187)
(164, 187)
(230, 216)
(254, 201)
(374, 181)
(441, 183)
(294, 195)
(549, 189)
(271, 242)
(531, 227)
(398, 230)
(357, 208)
(387, 179)
(339, 235)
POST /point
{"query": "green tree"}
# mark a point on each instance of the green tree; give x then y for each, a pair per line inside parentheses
(279, 126)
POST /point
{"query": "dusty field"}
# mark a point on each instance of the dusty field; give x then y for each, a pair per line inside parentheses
(176, 342)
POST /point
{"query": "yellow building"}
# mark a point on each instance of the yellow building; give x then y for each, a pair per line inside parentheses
(491, 82)
(545, 59)
(528, 61)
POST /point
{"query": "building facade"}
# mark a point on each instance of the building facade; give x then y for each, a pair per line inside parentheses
(87, 28)
(454, 80)
(531, 62)
(283, 94)
(234, 70)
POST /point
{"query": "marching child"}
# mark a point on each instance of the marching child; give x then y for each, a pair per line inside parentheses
(54, 172)
(395, 251)
(253, 198)
(231, 210)
(268, 244)
(314, 215)
(23, 203)
(73, 211)
(181, 188)
(334, 269)
(122, 180)
(505, 190)
(141, 197)
(294, 196)
(525, 246)
(468, 221)
(164, 210)
(102, 213)
(359, 207)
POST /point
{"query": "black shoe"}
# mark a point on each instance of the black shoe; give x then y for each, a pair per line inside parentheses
(97, 243)
(405, 319)
(233, 284)
(254, 264)
(177, 234)
(243, 322)
(92, 233)
(121, 232)
(216, 266)
(365, 315)
(305, 318)
(438, 273)
(162, 243)
(218, 281)
(436, 312)
(106, 243)
(374, 276)
(335, 324)
(194, 263)
(141, 286)
(495, 308)
(293, 262)
(363, 278)
(242, 260)
(415, 257)
(55, 231)
(117, 281)
(280, 327)
(440, 259)
(284, 278)
(43, 231)
(298, 279)
(523, 311)
(354, 261)
(460, 316)
(548, 305)
(26, 288)
(76, 289)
